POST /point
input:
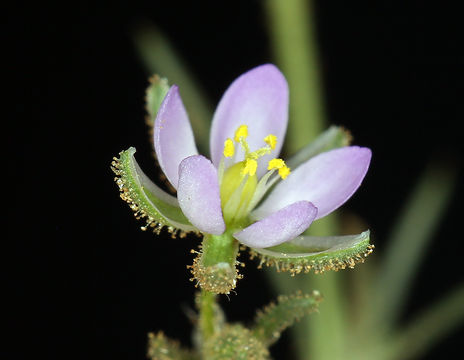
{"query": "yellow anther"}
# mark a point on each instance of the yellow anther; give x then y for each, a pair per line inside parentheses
(242, 132)
(284, 172)
(250, 167)
(275, 164)
(229, 148)
(271, 140)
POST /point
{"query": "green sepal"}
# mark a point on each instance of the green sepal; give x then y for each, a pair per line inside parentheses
(162, 348)
(155, 94)
(318, 254)
(276, 317)
(334, 137)
(146, 199)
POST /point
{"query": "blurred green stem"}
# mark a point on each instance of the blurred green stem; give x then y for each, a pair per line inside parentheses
(207, 322)
(292, 30)
(160, 57)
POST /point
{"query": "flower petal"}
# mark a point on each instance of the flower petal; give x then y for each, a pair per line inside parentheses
(173, 136)
(259, 99)
(327, 180)
(198, 194)
(279, 227)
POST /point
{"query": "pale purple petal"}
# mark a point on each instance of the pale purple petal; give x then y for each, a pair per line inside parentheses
(198, 194)
(259, 99)
(327, 180)
(281, 226)
(173, 136)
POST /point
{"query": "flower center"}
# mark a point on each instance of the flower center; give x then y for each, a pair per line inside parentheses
(240, 182)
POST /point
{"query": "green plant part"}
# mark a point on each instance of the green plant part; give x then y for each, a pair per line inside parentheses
(332, 138)
(276, 317)
(235, 342)
(146, 199)
(317, 254)
(154, 96)
(162, 348)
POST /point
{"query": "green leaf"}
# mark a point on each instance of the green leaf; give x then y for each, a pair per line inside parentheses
(431, 326)
(409, 240)
(276, 317)
(146, 199)
(318, 254)
(155, 95)
(162, 348)
(334, 137)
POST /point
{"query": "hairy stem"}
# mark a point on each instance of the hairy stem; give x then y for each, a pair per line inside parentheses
(207, 314)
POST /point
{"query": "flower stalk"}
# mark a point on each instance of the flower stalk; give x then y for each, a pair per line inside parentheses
(214, 269)
(207, 305)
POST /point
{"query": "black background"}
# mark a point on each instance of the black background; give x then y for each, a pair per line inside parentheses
(86, 282)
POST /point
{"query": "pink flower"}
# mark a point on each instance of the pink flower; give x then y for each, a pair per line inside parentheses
(230, 191)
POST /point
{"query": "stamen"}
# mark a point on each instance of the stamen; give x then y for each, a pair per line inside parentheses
(229, 148)
(260, 152)
(284, 172)
(275, 164)
(242, 132)
(271, 140)
(250, 167)
(245, 146)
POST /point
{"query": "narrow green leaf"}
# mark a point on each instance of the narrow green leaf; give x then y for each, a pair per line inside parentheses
(334, 137)
(408, 242)
(160, 57)
(146, 199)
(162, 348)
(276, 317)
(431, 326)
(317, 254)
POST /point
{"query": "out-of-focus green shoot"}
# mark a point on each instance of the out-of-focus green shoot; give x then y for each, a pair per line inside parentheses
(359, 316)
(290, 23)
(408, 243)
(291, 27)
(160, 57)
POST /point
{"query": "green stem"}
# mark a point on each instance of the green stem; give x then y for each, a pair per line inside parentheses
(219, 248)
(292, 31)
(214, 268)
(207, 314)
(159, 56)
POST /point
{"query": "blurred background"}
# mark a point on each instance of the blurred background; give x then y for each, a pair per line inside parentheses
(86, 282)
